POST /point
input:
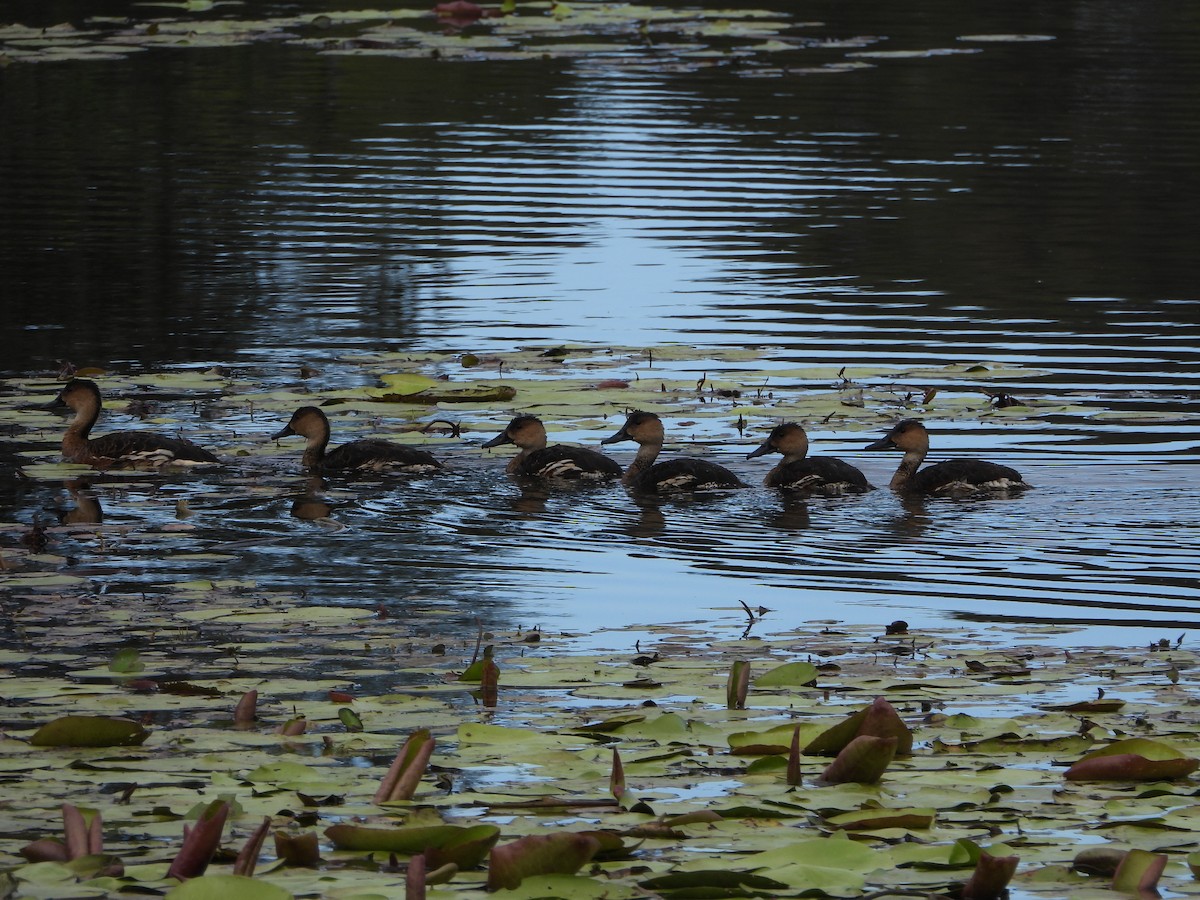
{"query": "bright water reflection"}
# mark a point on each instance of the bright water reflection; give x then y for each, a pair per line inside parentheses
(1031, 204)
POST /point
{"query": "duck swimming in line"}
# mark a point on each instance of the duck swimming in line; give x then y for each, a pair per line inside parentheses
(559, 461)
(121, 449)
(372, 454)
(954, 476)
(644, 474)
(799, 472)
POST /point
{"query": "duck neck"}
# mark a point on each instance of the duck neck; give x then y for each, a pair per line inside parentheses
(515, 463)
(907, 468)
(644, 459)
(75, 440)
(314, 451)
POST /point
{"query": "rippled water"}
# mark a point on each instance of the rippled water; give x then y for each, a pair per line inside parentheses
(1030, 204)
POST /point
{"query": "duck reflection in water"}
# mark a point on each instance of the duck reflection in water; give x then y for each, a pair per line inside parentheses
(87, 510)
(311, 505)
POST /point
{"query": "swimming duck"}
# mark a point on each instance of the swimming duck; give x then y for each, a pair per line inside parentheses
(954, 476)
(559, 461)
(799, 472)
(369, 455)
(644, 474)
(121, 449)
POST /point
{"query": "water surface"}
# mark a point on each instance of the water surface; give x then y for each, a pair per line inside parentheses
(1028, 204)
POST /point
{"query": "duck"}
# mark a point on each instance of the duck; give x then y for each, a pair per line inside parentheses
(954, 476)
(121, 449)
(372, 454)
(559, 461)
(686, 474)
(799, 472)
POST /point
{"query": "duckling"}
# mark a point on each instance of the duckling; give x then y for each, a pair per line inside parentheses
(559, 461)
(367, 455)
(954, 476)
(644, 474)
(795, 472)
(121, 449)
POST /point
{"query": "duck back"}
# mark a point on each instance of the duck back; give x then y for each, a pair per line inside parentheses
(377, 455)
(562, 461)
(134, 448)
(823, 474)
(685, 475)
(956, 475)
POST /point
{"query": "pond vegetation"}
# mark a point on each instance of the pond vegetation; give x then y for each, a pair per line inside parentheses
(694, 762)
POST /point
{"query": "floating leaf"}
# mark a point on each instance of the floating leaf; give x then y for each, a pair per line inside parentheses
(796, 674)
(89, 731)
(1135, 759)
(1139, 872)
(542, 854)
(227, 887)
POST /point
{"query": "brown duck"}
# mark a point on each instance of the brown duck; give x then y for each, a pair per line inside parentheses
(686, 474)
(121, 449)
(797, 471)
(557, 461)
(370, 455)
(954, 476)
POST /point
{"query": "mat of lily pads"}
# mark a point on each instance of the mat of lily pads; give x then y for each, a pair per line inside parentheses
(704, 806)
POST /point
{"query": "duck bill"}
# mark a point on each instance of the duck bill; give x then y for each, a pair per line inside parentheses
(621, 435)
(501, 438)
(57, 403)
(884, 443)
(285, 431)
(763, 450)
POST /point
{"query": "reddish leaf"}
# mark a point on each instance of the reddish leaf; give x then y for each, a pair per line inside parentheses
(864, 760)
(45, 850)
(991, 876)
(293, 727)
(612, 383)
(341, 697)
(299, 850)
(406, 770)
(462, 10)
(414, 878)
(542, 854)
(793, 764)
(883, 721)
(1139, 871)
(247, 858)
(200, 842)
(490, 682)
(1130, 767)
(738, 686)
(616, 781)
(76, 831)
(245, 711)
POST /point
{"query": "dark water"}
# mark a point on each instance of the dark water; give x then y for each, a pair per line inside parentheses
(1029, 204)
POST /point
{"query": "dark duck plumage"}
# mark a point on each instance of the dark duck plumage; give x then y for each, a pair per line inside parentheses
(954, 476)
(687, 474)
(372, 454)
(121, 449)
(559, 461)
(799, 472)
